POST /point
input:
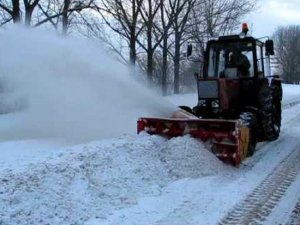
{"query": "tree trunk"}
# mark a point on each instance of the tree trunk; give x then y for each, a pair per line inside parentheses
(176, 63)
(16, 16)
(132, 40)
(165, 63)
(149, 55)
(132, 47)
(65, 17)
(28, 16)
(150, 50)
(29, 10)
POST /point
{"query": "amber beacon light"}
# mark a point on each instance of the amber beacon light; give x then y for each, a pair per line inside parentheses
(245, 28)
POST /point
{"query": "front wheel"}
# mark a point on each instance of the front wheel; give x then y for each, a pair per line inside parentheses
(249, 120)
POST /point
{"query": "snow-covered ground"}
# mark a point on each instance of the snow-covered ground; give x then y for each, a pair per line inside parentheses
(48, 176)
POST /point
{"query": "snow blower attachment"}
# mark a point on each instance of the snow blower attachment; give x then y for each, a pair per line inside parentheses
(239, 101)
(228, 139)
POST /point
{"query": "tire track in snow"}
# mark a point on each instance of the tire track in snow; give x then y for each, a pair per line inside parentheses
(295, 216)
(258, 205)
(290, 104)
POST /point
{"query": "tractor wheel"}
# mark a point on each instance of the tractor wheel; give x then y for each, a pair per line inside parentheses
(249, 120)
(270, 113)
(277, 96)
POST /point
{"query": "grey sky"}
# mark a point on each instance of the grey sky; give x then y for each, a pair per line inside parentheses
(271, 14)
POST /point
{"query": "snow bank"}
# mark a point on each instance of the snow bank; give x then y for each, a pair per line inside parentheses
(95, 180)
(73, 89)
(187, 157)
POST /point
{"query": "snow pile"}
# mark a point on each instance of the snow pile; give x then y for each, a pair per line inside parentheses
(98, 179)
(183, 158)
(73, 89)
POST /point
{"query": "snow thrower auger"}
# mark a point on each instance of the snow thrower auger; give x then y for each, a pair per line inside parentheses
(229, 139)
(239, 102)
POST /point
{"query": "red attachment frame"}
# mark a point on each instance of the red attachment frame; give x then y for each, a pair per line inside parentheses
(224, 135)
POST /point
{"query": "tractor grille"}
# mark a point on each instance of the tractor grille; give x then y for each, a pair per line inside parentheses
(208, 89)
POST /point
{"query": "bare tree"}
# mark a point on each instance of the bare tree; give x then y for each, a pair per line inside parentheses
(158, 28)
(63, 10)
(40, 12)
(65, 16)
(123, 17)
(287, 41)
(197, 21)
(29, 6)
(149, 10)
(212, 18)
(167, 16)
(181, 15)
(46, 9)
(11, 11)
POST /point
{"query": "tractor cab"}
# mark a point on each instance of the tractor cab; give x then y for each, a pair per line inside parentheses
(237, 56)
(234, 57)
(234, 68)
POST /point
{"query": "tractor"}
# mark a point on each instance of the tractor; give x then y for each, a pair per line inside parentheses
(239, 101)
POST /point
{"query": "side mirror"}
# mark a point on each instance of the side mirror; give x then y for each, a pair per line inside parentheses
(269, 44)
(189, 50)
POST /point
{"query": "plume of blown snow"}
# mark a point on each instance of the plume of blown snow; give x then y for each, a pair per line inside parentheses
(73, 89)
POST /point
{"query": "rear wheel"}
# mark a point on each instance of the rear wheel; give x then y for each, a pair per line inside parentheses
(270, 113)
(277, 96)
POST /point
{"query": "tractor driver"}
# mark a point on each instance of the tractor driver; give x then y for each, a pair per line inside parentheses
(241, 62)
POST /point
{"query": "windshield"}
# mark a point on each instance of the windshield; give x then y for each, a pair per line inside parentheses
(230, 60)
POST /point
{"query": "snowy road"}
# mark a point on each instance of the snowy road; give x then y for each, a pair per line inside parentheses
(260, 203)
(274, 200)
(295, 216)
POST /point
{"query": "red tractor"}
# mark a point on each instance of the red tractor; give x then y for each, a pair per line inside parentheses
(239, 101)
